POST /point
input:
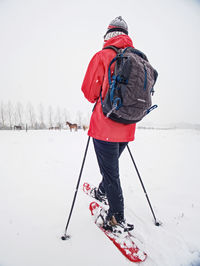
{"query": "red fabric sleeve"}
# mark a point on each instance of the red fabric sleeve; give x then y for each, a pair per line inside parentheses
(93, 78)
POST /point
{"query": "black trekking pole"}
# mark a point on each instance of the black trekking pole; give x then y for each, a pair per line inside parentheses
(65, 236)
(156, 222)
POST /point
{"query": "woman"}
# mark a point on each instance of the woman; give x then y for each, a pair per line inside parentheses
(109, 137)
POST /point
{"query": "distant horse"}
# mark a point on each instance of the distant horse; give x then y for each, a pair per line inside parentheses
(72, 126)
(85, 127)
(51, 128)
(17, 127)
(58, 127)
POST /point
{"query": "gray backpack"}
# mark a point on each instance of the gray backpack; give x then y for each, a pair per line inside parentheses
(128, 98)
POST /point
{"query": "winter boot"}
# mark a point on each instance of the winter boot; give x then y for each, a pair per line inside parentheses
(120, 225)
(116, 226)
(98, 195)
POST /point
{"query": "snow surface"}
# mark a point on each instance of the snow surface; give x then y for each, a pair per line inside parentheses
(39, 172)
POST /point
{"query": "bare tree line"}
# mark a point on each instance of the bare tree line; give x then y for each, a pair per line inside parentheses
(13, 116)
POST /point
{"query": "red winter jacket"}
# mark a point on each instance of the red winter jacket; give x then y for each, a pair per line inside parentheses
(101, 127)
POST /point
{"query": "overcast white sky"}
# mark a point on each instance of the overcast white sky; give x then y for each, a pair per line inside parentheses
(45, 47)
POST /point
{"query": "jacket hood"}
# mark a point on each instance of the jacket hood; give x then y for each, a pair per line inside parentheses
(120, 41)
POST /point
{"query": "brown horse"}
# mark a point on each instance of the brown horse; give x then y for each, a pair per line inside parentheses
(72, 126)
(85, 127)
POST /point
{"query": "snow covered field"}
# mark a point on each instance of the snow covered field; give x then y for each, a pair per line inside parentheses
(38, 176)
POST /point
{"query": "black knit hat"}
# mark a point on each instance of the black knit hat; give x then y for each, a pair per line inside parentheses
(117, 24)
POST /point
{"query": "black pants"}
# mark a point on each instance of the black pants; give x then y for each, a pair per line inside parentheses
(108, 154)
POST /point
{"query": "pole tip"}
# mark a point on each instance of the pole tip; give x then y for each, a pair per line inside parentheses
(65, 237)
(158, 223)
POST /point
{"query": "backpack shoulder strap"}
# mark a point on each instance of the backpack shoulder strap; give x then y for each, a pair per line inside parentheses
(133, 50)
(112, 47)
